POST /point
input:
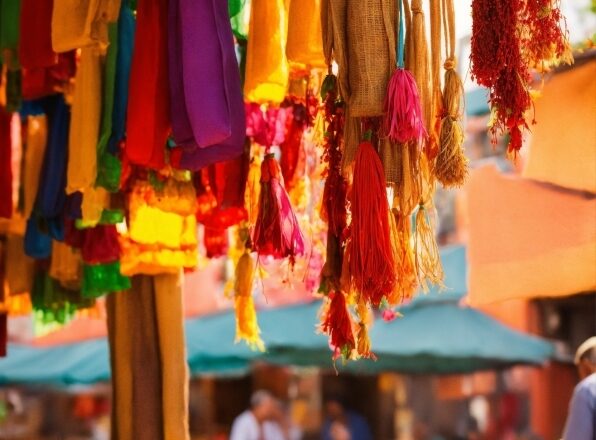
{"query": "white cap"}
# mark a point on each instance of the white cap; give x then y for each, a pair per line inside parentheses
(587, 345)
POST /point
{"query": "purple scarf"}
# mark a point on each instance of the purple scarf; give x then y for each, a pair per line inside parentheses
(207, 108)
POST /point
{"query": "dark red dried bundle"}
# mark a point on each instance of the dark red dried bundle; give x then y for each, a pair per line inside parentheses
(296, 123)
(546, 37)
(498, 63)
(333, 207)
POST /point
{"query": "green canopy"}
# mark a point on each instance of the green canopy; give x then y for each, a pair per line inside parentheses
(436, 335)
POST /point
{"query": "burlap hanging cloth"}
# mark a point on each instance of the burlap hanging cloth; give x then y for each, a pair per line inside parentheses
(371, 30)
(305, 43)
(147, 351)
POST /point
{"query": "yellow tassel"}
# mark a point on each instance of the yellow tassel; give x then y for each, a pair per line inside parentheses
(451, 168)
(428, 260)
(247, 327)
(363, 347)
(253, 189)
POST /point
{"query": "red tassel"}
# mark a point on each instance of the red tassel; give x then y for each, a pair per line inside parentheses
(276, 232)
(371, 258)
(338, 325)
(403, 113)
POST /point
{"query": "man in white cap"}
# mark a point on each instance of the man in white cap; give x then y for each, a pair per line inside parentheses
(581, 420)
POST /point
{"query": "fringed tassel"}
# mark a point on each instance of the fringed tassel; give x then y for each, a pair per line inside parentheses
(404, 259)
(338, 325)
(253, 189)
(428, 260)
(247, 327)
(276, 232)
(451, 168)
(403, 113)
(371, 258)
(403, 121)
(364, 347)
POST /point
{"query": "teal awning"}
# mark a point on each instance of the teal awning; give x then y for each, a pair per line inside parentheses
(436, 335)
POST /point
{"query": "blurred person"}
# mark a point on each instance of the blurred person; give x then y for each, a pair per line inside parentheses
(581, 419)
(336, 412)
(281, 426)
(339, 431)
(250, 425)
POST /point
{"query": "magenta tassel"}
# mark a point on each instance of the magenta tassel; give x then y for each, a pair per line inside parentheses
(277, 231)
(403, 113)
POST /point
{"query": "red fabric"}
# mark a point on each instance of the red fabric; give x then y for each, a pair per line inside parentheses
(100, 245)
(216, 242)
(72, 236)
(148, 122)
(35, 38)
(5, 165)
(43, 81)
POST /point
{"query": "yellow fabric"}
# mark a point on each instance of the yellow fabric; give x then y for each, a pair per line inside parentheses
(563, 143)
(82, 23)
(136, 259)
(85, 122)
(65, 264)
(19, 267)
(305, 42)
(266, 62)
(37, 134)
(528, 240)
(95, 200)
(162, 230)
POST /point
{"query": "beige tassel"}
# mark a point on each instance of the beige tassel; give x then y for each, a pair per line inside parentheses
(428, 260)
(451, 168)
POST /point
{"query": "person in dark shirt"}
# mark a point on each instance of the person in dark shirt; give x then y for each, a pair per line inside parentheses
(337, 414)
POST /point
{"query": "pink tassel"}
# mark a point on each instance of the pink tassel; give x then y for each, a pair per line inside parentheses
(276, 232)
(403, 113)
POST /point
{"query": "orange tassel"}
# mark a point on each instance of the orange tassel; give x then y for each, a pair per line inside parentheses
(247, 327)
(404, 259)
(371, 260)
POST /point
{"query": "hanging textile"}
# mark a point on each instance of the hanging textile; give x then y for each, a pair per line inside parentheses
(35, 38)
(85, 120)
(371, 54)
(207, 109)
(126, 32)
(108, 165)
(5, 164)
(148, 361)
(82, 23)
(266, 63)
(148, 100)
(305, 41)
